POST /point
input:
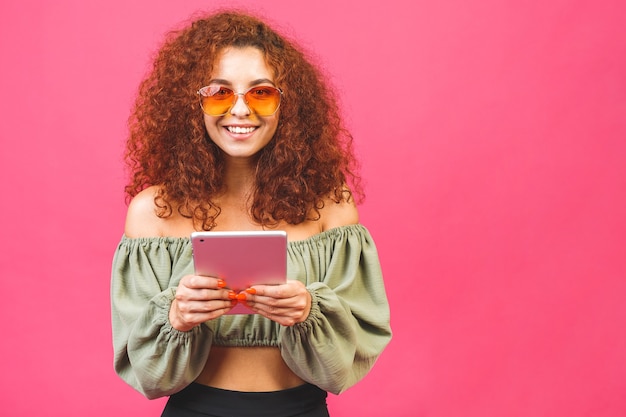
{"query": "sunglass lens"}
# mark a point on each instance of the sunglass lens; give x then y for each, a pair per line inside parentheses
(216, 100)
(263, 100)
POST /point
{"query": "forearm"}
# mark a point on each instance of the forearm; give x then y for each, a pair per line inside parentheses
(336, 346)
(155, 358)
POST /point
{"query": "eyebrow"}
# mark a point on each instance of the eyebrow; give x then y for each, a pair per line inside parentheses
(250, 84)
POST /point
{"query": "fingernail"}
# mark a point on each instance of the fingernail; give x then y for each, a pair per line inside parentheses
(251, 290)
(241, 296)
(232, 295)
(221, 283)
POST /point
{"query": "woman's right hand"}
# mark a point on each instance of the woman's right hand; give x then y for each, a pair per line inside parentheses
(199, 299)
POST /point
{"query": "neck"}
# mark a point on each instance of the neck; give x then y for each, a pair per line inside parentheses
(239, 177)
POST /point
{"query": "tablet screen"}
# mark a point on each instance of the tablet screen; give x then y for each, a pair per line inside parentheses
(241, 258)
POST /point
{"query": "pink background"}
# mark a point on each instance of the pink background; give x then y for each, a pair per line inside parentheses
(495, 163)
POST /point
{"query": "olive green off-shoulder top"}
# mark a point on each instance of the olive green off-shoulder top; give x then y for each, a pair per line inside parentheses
(345, 332)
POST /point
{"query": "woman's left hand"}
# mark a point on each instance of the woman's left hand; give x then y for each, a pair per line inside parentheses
(286, 304)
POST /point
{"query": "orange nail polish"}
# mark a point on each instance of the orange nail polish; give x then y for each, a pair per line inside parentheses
(232, 295)
(221, 283)
(251, 291)
(241, 296)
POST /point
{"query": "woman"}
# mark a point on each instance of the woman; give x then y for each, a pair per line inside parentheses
(264, 150)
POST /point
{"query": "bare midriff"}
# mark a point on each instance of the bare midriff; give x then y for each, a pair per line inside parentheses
(252, 369)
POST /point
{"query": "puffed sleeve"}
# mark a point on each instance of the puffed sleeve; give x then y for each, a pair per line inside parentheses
(349, 324)
(149, 354)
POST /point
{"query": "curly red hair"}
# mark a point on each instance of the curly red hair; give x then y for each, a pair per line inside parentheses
(309, 159)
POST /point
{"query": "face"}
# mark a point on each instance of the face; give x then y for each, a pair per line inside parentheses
(241, 133)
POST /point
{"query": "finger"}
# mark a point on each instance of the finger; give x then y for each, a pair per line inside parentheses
(274, 305)
(285, 317)
(204, 307)
(290, 289)
(199, 281)
(273, 296)
(208, 295)
(190, 294)
(185, 316)
(270, 291)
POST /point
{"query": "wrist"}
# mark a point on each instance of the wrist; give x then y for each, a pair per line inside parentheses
(176, 321)
(307, 310)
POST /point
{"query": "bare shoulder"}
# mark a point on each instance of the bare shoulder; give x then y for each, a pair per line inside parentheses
(141, 218)
(339, 214)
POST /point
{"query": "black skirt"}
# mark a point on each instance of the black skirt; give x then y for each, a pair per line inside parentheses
(199, 400)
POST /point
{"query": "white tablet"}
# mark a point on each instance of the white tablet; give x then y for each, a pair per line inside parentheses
(241, 259)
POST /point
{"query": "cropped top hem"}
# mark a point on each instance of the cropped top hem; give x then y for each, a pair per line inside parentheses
(245, 343)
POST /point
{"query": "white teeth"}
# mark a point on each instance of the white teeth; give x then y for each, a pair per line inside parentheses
(237, 129)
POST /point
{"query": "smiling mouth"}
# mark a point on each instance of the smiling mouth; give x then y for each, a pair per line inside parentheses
(238, 129)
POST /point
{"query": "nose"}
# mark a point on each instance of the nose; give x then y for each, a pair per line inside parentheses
(240, 108)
